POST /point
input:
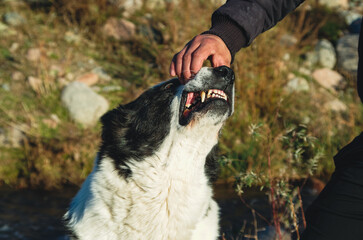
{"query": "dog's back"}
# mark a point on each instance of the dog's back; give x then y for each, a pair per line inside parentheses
(152, 177)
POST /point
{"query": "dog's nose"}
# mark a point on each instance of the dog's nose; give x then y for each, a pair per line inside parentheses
(225, 72)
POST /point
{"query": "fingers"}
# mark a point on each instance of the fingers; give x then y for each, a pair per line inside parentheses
(190, 59)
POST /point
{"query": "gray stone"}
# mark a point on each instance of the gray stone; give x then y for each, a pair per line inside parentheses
(297, 84)
(6, 87)
(347, 50)
(13, 19)
(311, 59)
(85, 106)
(326, 54)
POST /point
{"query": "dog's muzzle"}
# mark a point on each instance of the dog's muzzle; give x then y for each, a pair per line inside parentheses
(213, 89)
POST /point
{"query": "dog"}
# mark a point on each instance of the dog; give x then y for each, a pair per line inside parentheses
(152, 178)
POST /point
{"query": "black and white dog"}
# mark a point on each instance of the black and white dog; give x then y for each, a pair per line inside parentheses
(152, 176)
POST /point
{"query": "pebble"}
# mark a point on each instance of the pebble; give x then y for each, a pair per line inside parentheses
(33, 54)
(17, 76)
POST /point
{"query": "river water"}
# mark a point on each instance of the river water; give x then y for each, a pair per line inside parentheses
(31, 214)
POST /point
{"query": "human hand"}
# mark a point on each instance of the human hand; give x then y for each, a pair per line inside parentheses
(189, 60)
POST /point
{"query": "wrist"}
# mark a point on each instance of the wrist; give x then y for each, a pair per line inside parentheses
(233, 36)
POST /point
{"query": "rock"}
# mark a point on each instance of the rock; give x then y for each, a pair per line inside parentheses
(85, 106)
(347, 51)
(119, 29)
(5, 228)
(350, 16)
(326, 54)
(13, 19)
(33, 54)
(6, 87)
(297, 84)
(328, 78)
(335, 3)
(336, 105)
(89, 79)
(355, 26)
(311, 59)
(17, 76)
(101, 73)
(35, 83)
(288, 40)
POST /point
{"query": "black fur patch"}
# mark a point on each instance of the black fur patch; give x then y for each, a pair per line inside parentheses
(211, 166)
(137, 129)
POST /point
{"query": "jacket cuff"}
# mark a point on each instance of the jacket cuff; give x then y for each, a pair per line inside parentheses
(232, 35)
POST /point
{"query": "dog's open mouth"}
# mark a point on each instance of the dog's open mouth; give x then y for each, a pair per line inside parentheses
(196, 101)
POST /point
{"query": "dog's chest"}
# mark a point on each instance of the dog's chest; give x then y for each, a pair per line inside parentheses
(166, 205)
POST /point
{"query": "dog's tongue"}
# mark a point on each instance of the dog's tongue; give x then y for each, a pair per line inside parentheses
(190, 98)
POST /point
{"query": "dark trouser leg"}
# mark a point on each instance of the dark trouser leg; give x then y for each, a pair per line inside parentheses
(337, 213)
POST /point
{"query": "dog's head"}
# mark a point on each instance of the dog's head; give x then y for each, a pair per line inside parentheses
(136, 130)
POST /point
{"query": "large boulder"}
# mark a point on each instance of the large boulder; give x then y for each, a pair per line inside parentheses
(326, 54)
(347, 50)
(84, 105)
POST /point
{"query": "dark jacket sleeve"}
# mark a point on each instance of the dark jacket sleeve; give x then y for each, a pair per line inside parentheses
(239, 22)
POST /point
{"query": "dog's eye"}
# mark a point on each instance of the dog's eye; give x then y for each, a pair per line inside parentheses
(168, 86)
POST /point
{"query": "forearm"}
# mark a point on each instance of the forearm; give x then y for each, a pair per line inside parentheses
(239, 22)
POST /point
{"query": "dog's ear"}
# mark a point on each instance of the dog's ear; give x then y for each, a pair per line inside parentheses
(113, 122)
(115, 117)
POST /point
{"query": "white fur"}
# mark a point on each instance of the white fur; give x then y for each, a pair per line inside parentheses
(166, 197)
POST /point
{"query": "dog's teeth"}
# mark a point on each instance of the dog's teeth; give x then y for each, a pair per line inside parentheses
(188, 105)
(202, 96)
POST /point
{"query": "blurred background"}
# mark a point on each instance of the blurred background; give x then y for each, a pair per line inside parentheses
(296, 104)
